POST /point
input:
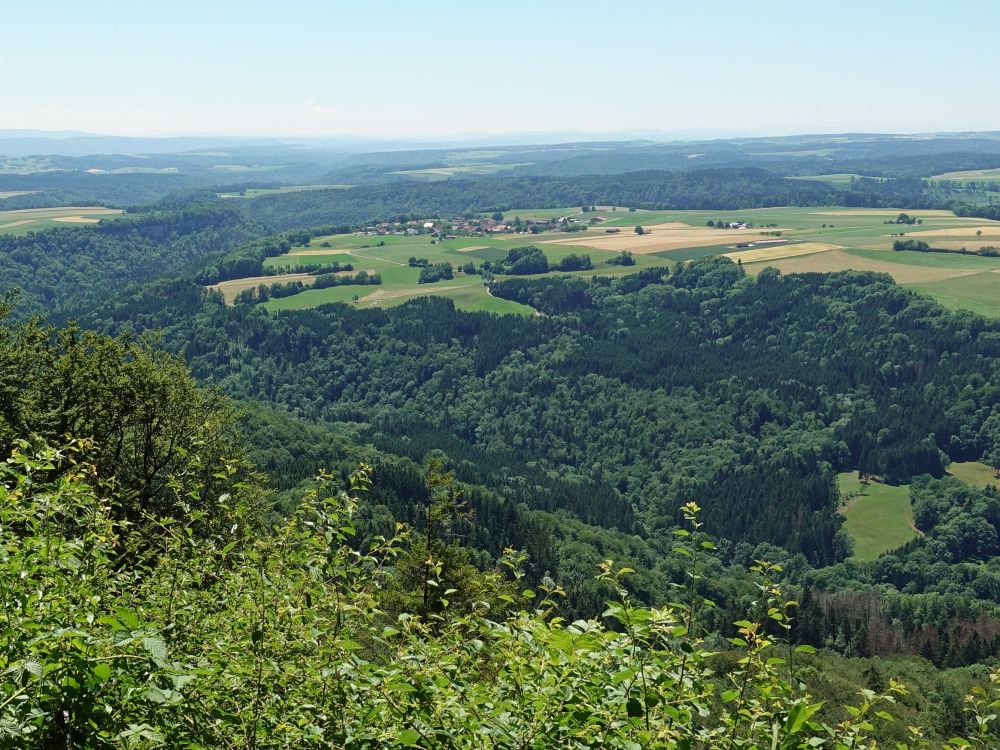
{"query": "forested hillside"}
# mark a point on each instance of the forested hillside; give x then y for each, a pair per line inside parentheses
(62, 271)
(151, 601)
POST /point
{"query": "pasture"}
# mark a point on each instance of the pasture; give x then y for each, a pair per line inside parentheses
(36, 219)
(975, 473)
(878, 516)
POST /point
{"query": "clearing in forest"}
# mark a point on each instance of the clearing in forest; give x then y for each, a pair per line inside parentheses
(878, 516)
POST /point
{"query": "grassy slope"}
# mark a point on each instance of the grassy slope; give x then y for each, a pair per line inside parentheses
(978, 293)
(880, 519)
(974, 473)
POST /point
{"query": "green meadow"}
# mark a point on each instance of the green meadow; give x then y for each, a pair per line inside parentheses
(878, 519)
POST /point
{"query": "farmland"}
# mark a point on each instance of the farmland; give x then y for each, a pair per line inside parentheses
(37, 219)
(792, 239)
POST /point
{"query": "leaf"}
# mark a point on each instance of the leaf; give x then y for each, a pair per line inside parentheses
(102, 672)
(156, 647)
(799, 715)
(408, 738)
(805, 650)
(129, 619)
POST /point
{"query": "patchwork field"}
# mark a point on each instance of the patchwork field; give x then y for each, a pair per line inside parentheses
(818, 240)
(36, 219)
(673, 235)
(878, 516)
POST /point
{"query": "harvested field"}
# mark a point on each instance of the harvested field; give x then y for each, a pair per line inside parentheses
(988, 230)
(840, 260)
(21, 221)
(886, 212)
(470, 248)
(319, 251)
(973, 243)
(674, 235)
(233, 287)
(77, 219)
(384, 294)
(775, 252)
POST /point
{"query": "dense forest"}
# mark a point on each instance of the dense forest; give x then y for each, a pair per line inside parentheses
(152, 599)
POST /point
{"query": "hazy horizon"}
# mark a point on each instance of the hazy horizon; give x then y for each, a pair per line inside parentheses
(445, 69)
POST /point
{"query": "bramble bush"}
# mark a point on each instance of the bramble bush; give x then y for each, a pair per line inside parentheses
(217, 636)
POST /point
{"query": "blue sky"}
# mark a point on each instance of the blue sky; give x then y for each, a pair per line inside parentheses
(381, 68)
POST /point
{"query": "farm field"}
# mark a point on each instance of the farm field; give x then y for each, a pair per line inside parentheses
(389, 256)
(27, 220)
(674, 235)
(233, 287)
(825, 239)
(977, 292)
(777, 252)
(879, 519)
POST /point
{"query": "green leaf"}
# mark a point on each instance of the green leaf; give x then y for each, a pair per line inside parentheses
(102, 672)
(156, 647)
(408, 738)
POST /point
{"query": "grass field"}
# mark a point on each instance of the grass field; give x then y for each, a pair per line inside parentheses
(879, 519)
(36, 219)
(978, 293)
(975, 473)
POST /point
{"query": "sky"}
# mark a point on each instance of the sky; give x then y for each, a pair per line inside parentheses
(434, 68)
